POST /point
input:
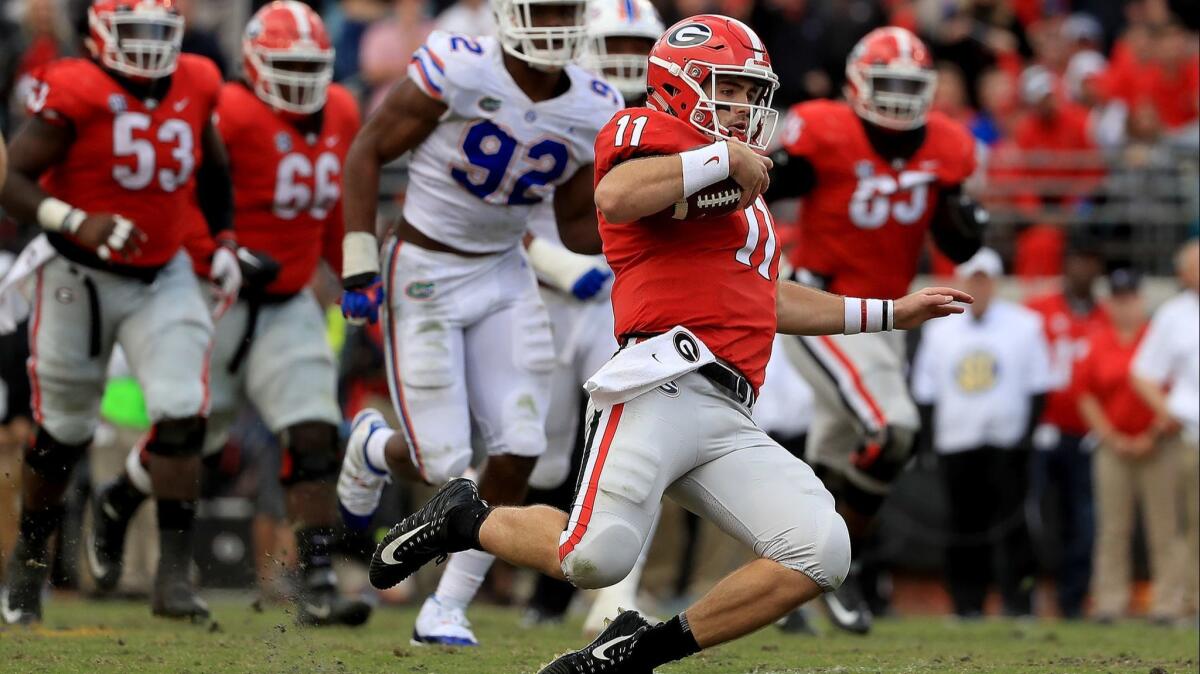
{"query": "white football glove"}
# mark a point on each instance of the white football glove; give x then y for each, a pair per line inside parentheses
(226, 273)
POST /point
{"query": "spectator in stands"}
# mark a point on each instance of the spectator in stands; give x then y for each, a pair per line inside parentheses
(981, 379)
(997, 103)
(389, 44)
(1132, 469)
(950, 97)
(1062, 465)
(1049, 123)
(469, 17)
(785, 25)
(1168, 359)
(199, 39)
(976, 36)
(1155, 62)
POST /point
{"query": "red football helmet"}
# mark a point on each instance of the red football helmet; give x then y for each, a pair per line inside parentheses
(136, 38)
(288, 57)
(686, 62)
(890, 79)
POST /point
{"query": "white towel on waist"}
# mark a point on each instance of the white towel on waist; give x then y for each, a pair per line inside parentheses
(16, 292)
(647, 365)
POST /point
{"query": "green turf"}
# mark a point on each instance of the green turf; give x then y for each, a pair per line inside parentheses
(93, 637)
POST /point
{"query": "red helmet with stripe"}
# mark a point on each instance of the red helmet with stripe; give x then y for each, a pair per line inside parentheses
(890, 79)
(288, 57)
(139, 39)
(687, 61)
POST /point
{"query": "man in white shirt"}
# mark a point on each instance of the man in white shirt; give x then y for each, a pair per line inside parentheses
(1169, 360)
(980, 381)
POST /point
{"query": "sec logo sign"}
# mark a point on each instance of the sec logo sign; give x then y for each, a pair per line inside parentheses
(690, 35)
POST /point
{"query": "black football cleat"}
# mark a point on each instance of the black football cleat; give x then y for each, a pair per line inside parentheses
(424, 535)
(176, 598)
(21, 594)
(105, 541)
(846, 607)
(797, 622)
(610, 653)
(322, 606)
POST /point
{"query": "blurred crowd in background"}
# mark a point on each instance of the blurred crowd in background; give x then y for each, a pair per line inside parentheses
(1087, 118)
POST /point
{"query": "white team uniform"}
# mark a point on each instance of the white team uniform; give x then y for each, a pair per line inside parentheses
(583, 342)
(468, 339)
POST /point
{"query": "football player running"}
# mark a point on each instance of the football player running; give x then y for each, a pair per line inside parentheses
(697, 303)
(287, 129)
(876, 173)
(107, 165)
(495, 126)
(575, 287)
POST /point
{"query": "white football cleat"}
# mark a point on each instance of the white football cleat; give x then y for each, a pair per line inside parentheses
(438, 624)
(360, 484)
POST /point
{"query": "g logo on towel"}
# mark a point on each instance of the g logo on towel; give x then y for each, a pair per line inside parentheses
(687, 347)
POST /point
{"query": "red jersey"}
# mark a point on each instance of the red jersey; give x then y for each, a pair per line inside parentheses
(715, 277)
(863, 225)
(1104, 373)
(132, 157)
(1068, 335)
(287, 184)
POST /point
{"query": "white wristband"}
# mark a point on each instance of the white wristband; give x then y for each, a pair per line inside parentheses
(56, 215)
(556, 265)
(360, 254)
(867, 315)
(704, 166)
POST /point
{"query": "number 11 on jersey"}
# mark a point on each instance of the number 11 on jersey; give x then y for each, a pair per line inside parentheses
(758, 216)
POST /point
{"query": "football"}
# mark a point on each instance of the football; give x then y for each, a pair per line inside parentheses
(717, 199)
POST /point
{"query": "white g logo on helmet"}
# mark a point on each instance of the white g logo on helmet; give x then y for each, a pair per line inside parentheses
(690, 35)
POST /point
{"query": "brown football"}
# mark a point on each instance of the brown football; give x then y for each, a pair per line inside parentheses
(717, 199)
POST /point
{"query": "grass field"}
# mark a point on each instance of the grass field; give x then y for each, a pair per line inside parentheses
(91, 637)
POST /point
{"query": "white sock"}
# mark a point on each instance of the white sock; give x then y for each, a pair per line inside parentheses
(375, 449)
(462, 578)
(138, 475)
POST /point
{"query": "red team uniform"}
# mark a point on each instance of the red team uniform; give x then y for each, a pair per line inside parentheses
(288, 183)
(720, 283)
(128, 157)
(864, 226)
(693, 437)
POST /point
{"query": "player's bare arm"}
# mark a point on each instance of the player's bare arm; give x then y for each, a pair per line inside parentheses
(36, 147)
(575, 214)
(405, 118)
(807, 311)
(643, 187)
(214, 186)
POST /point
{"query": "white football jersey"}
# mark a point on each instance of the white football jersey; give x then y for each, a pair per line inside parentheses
(495, 154)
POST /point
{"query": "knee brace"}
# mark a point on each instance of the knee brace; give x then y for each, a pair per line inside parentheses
(52, 460)
(309, 453)
(605, 555)
(177, 437)
(819, 548)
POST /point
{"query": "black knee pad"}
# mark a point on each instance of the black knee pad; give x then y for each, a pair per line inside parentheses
(177, 437)
(52, 460)
(309, 452)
